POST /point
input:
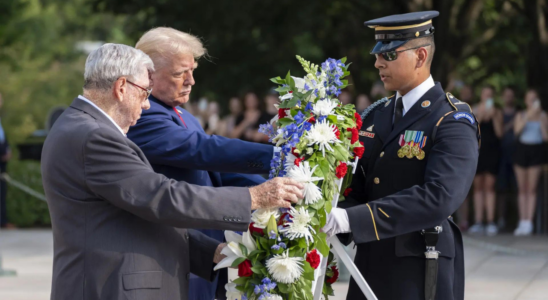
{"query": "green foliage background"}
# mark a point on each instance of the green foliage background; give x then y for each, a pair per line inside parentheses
(499, 42)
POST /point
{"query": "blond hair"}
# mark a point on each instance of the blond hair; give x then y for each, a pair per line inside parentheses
(163, 42)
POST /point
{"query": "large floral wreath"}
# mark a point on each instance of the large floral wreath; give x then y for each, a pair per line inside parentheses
(277, 257)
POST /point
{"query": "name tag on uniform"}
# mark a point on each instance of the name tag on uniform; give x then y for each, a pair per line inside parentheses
(367, 134)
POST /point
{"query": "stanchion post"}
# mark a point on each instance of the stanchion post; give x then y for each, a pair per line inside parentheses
(4, 272)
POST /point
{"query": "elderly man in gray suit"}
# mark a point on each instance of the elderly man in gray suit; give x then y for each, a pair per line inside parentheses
(118, 226)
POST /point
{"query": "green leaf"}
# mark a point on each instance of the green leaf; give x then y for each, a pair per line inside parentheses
(284, 288)
(343, 60)
(257, 270)
(321, 243)
(285, 121)
(237, 261)
(289, 103)
(328, 206)
(243, 249)
(241, 280)
(323, 217)
(341, 154)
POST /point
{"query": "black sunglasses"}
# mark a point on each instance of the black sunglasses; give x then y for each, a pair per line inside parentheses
(393, 55)
(148, 91)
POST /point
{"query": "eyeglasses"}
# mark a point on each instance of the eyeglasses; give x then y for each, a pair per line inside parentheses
(393, 55)
(148, 91)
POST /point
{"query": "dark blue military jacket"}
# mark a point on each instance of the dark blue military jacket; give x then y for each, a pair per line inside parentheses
(395, 197)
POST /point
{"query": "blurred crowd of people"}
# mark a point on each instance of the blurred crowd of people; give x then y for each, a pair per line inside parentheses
(513, 151)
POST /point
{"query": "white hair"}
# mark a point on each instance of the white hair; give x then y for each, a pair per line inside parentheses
(162, 42)
(111, 61)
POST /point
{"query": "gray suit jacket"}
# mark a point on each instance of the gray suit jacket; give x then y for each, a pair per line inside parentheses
(117, 225)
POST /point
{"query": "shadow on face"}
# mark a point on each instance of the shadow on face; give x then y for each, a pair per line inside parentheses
(174, 78)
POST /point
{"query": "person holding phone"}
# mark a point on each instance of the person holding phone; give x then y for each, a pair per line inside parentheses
(491, 125)
(531, 128)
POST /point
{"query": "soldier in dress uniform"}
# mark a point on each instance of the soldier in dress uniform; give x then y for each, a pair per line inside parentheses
(421, 152)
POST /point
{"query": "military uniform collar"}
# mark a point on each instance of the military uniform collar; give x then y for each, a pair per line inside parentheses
(415, 94)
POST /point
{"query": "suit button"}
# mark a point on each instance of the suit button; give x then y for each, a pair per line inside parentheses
(239, 219)
(225, 218)
(382, 154)
(376, 180)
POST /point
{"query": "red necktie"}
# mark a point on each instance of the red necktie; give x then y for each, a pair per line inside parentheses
(180, 116)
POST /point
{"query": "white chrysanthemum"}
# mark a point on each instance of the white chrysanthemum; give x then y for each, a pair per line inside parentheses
(303, 173)
(299, 226)
(289, 161)
(274, 297)
(261, 216)
(285, 269)
(324, 107)
(232, 293)
(323, 135)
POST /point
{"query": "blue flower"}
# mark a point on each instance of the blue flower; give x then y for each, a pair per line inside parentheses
(308, 106)
(266, 280)
(299, 117)
(257, 290)
(272, 235)
(244, 297)
(283, 245)
(275, 247)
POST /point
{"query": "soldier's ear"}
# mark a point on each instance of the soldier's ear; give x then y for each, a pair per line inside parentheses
(422, 56)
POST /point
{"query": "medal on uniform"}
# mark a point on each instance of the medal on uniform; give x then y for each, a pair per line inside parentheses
(422, 154)
(402, 143)
(415, 149)
(406, 148)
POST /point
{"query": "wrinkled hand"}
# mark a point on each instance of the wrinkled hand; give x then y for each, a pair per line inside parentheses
(337, 222)
(218, 256)
(278, 192)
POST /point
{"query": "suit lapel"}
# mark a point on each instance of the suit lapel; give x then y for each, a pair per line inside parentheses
(415, 113)
(383, 120)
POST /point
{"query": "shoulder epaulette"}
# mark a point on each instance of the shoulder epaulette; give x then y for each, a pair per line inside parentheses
(457, 105)
(376, 104)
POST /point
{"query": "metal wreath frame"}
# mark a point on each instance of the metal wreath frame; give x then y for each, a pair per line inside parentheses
(338, 248)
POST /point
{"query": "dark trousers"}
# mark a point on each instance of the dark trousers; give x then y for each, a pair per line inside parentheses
(3, 190)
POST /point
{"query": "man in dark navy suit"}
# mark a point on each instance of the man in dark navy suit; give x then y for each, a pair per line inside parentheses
(174, 141)
(421, 151)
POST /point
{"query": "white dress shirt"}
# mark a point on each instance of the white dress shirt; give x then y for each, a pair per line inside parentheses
(337, 221)
(99, 109)
(415, 94)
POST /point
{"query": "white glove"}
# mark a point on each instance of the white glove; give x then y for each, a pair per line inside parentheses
(337, 222)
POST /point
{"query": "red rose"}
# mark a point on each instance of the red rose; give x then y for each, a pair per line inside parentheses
(341, 170)
(255, 229)
(297, 161)
(358, 151)
(355, 135)
(332, 280)
(347, 191)
(281, 113)
(244, 269)
(312, 119)
(337, 133)
(313, 258)
(358, 119)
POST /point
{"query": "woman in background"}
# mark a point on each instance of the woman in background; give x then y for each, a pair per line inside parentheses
(531, 128)
(490, 121)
